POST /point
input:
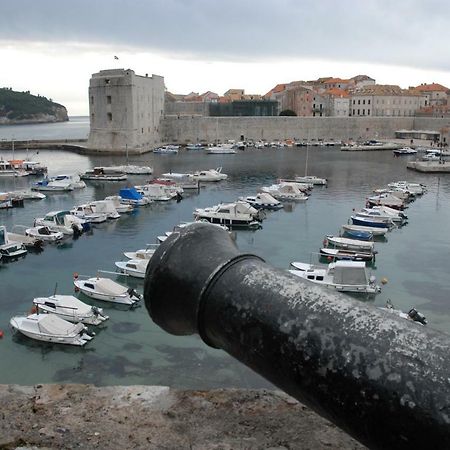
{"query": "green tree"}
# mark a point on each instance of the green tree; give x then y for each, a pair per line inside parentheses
(288, 112)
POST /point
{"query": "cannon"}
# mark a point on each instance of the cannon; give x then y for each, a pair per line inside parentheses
(382, 379)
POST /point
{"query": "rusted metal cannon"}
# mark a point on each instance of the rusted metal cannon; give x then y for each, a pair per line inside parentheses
(383, 379)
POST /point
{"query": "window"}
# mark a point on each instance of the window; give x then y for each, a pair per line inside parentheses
(368, 112)
(89, 286)
(359, 112)
(364, 112)
(109, 115)
(310, 277)
(353, 101)
(319, 278)
(359, 102)
(107, 80)
(92, 99)
(364, 102)
(368, 101)
(353, 112)
(108, 99)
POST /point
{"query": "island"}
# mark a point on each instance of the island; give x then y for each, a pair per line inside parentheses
(23, 107)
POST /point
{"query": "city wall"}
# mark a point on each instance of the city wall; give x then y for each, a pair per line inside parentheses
(185, 129)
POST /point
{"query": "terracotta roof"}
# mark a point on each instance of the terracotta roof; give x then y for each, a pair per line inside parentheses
(384, 90)
(278, 88)
(430, 88)
(336, 92)
(335, 80)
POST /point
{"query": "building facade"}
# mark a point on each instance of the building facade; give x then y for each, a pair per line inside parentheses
(125, 111)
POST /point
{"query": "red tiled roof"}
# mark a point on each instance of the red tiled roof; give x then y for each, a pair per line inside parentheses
(336, 92)
(430, 88)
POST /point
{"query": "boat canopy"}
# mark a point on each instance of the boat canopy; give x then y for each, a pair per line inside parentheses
(110, 287)
(349, 272)
(52, 324)
(130, 194)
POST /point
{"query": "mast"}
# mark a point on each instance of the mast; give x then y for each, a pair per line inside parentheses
(306, 163)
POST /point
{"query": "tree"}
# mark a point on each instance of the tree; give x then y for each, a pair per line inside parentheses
(288, 112)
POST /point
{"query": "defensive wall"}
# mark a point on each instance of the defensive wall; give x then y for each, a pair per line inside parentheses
(183, 129)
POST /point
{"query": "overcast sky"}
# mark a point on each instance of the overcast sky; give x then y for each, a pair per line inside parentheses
(52, 47)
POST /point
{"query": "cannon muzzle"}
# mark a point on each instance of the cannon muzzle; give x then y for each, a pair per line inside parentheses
(383, 379)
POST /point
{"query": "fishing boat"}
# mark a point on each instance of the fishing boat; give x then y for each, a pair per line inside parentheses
(69, 308)
(87, 213)
(10, 249)
(285, 191)
(106, 290)
(5, 201)
(237, 214)
(106, 207)
(63, 221)
(343, 276)
(349, 244)
(103, 174)
(172, 189)
(413, 188)
(134, 267)
(51, 328)
(44, 233)
(412, 315)
(132, 196)
(262, 200)
(373, 230)
(18, 236)
(210, 175)
(335, 254)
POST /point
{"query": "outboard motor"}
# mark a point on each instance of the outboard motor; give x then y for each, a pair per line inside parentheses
(417, 316)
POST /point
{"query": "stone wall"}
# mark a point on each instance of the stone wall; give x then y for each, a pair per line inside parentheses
(431, 123)
(209, 129)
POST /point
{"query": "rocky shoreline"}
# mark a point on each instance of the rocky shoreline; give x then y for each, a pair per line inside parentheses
(157, 417)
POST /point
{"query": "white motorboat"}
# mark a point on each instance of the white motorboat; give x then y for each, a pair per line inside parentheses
(221, 149)
(413, 188)
(8, 170)
(262, 200)
(344, 276)
(181, 225)
(73, 179)
(285, 191)
(143, 253)
(44, 233)
(350, 244)
(18, 236)
(130, 169)
(107, 207)
(172, 189)
(62, 221)
(237, 214)
(26, 195)
(386, 200)
(103, 174)
(121, 208)
(334, 254)
(197, 146)
(49, 185)
(154, 192)
(375, 231)
(87, 213)
(31, 167)
(107, 290)
(184, 180)
(404, 151)
(383, 213)
(134, 267)
(69, 308)
(209, 175)
(167, 149)
(51, 328)
(311, 179)
(10, 249)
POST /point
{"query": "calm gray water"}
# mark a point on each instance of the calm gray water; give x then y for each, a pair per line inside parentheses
(129, 348)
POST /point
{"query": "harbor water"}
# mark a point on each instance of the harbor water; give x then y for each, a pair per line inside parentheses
(129, 348)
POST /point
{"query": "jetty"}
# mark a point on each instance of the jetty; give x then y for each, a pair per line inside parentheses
(429, 166)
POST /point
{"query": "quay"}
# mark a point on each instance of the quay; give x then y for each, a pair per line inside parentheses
(429, 166)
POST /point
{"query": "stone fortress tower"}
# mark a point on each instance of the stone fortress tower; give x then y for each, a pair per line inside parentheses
(125, 111)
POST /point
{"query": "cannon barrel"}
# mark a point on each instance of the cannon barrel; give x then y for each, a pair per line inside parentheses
(383, 379)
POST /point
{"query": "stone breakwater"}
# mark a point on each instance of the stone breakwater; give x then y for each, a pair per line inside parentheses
(156, 417)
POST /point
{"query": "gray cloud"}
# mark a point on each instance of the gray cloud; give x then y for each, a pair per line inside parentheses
(402, 32)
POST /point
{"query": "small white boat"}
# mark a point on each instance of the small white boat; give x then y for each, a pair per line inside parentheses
(107, 290)
(143, 253)
(285, 191)
(130, 169)
(154, 192)
(103, 174)
(62, 221)
(167, 149)
(107, 207)
(262, 200)
(386, 200)
(209, 175)
(413, 188)
(181, 225)
(197, 146)
(44, 233)
(7, 169)
(26, 195)
(350, 244)
(237, 214)
(121, 208)
(74, 180)
(184, 180)
(49, 185)
(344, 276)
(10, 249)
(221, 149)
(404, 151)
(311, 179)
(383, 214)
(51, 328)
(134, 267)
(373, 230)
(87, 213)
(18, 236)
(69, 308)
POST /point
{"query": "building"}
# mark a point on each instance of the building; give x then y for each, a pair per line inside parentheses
(337, 102)
(384, 100)
(125, 110)
(244, 108)
(434, 94)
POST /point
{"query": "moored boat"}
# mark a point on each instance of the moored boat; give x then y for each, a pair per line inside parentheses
(335, 254)
(10, 249)
(262, 200)
(374, 231)
(372, 222)
(44, 233)
(350, 244)
(134, 267)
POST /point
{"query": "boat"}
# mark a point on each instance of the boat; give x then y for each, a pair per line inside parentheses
(374, 231)
(181, 225)
(69, 308)
(412, 314)
(63, 221)
(167, 149)
(343, 276)
(386, 200)
(197, 146)
(413, 188)
(5, 201)
(172, 189)
(349, 244)
(52, 185)
(237, 214)
(384, 212)
(10, 249)
(120, 207)
(404, 151)
(311, 179)
(285, 191)
(262, 200)
(105, 207)
(51, 328)
(8, 170)
(132, 196)
(74, 180)
(134, 267)
(44, 233)
(184, 180)
(106, 290)
(154, 192)
(130, 169)
(18, 235)
(209, 175)
(362, 235)
(304, 187)
(30, 167)
(25, 194)
(143, 253)
(103, 174)
(349, 255)
(372, 222)
(221, 149)
(87, 213)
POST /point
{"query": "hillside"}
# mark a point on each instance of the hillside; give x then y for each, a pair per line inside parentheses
(23, 107)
